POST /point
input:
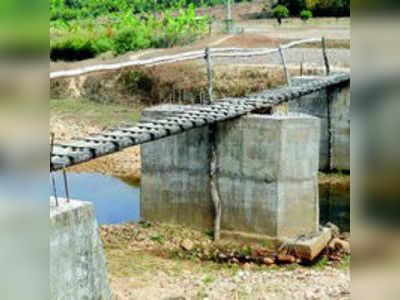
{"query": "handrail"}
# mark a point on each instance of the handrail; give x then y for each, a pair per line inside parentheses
(192, 55)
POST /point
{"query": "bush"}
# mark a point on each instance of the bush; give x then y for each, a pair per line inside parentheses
(82, 39)
(280, 12)
(321, 8)
(294, 6)
(305, 15)
(130, 39)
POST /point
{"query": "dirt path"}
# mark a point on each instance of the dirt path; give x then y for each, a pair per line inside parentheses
(299, 284)
(294, 56)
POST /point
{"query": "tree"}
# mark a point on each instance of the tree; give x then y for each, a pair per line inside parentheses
(280, 12)
(305, 15)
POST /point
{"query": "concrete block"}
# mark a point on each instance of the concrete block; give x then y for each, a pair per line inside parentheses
(298, 208)
(175, 184)
(340, 128)
(77, 265)
(267, 173)
(248, 205)
(332, 106)
(309, 247)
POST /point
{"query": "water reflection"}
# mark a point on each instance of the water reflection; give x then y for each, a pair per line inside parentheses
(117, 200)
(114, 200)
(334, 205)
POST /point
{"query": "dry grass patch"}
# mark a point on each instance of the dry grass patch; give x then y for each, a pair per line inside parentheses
(177, 83)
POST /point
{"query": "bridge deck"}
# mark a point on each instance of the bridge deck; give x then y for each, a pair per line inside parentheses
(110, 141)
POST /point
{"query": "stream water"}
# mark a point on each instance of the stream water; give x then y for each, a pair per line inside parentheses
(116, 201)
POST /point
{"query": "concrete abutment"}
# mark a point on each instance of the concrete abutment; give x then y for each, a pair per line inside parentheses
(77, 265)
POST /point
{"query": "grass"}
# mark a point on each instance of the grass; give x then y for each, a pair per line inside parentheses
(345, 264)
(338, 180)
(101, 115)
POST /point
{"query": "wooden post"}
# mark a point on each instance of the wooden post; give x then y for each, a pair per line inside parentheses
(301, 66)
(325, 55)
(285, 68)
(229, 17)
(229, 12)
(209, 75)
(213, 156)
(214, 184)
(210, 28)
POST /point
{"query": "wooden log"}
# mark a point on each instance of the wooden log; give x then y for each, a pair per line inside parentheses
(285, 68)
(209, 75)
(214, 186)
(325, 55)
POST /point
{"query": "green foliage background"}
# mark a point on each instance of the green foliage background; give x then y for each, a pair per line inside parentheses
(75, 9)
(319, 8)
(83, 31)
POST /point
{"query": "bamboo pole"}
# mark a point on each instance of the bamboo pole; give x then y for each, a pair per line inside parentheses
(285, 68)
(209, 75)
(214, 185)
(229, 17)
(325, 55)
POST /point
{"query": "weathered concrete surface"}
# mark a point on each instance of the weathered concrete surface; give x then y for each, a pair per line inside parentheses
(77, 265)
(311, 246)
(175, 184)
(332, 106)
(267, 175)
(340, 127)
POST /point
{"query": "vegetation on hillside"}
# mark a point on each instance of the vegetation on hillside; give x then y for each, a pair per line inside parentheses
(77, 9)
(82, 39)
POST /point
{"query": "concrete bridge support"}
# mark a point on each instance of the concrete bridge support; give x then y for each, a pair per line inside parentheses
(332, 106)
(77, 265)
(267, 172)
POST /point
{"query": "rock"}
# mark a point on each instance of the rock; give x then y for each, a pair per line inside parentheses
(345, 236)
(338, 244)
(187, 245)
(247, 266)
(140, 237)
(331, 244)
(268, 261)
(286, 258)
(343, 245)
(335, 230)
(222, 256)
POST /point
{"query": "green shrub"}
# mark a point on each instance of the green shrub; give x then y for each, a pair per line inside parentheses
(130, 39)
(321, 8)
(121, 34)
(280, 12)
(305, 15)
(72, 48)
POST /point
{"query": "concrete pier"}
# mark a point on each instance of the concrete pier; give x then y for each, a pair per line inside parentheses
(332, 106)
(267, 175)
(77, 265)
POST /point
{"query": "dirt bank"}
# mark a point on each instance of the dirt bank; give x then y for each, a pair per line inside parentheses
(138, 253)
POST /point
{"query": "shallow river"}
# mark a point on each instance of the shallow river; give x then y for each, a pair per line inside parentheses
(116, 201)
